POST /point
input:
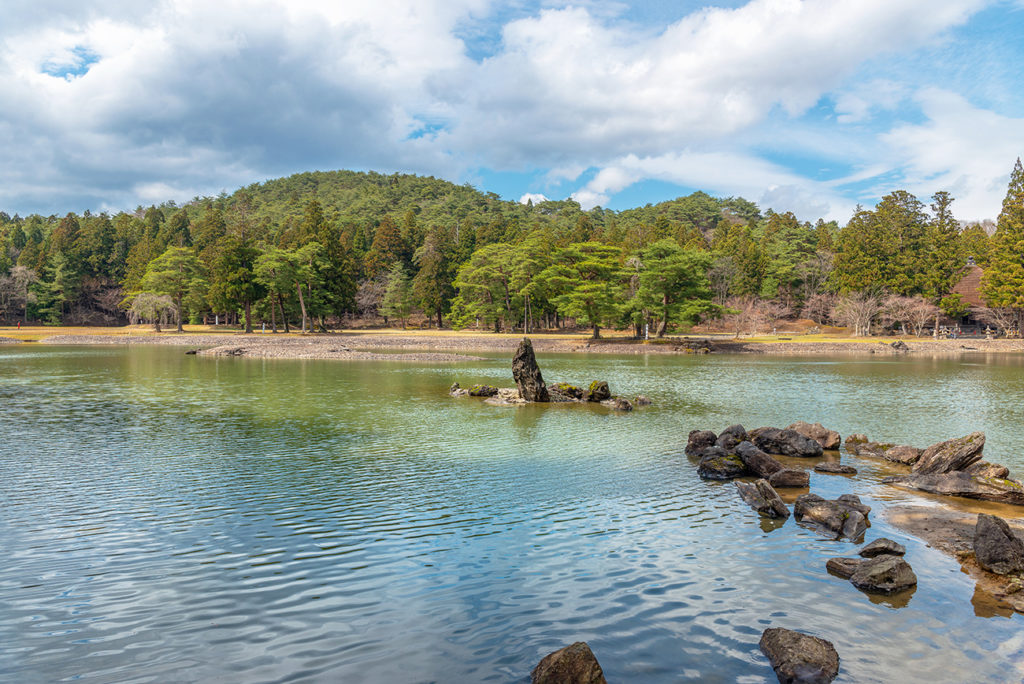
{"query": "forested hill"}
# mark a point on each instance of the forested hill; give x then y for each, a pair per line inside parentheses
(322, 245)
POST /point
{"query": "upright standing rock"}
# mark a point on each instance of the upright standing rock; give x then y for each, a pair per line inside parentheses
(574, 664)
(526, 373)
(996, 547)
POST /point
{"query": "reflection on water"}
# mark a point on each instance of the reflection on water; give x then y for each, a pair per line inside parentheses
(172, 518)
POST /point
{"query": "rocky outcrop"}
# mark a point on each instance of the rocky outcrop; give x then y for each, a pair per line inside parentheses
(951, 455)
(907, 455)
(757, 461)
(598, 391)
(882, 546)
(872, 449)
(963, 484)
(575, 664)
(483, 391)
(884, 575)
(699, 440)
(762, 498)
(845, 517)
(996, 548)
(456, 390)
(785, 442)
(527, 375)
(900, 346)
(828, 439)
(855, 439)
(566, 391)
(835, 469)
(790, 478)
(799, 658)
(731, 437)
(986, 469)
(717, 464)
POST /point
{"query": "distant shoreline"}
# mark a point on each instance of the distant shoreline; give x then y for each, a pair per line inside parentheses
(364, 344)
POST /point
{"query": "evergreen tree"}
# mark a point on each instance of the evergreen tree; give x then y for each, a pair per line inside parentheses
(673, 283)
(176, 273)
(1002, 286)
(585, 278)
(397, 302)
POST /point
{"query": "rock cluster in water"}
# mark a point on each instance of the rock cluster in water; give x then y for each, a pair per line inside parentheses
(531, 388)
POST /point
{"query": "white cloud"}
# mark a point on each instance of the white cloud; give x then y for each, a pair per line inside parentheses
(534, 197)
(962, 149)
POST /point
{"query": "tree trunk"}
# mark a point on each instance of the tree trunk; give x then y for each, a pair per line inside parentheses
(273, 316)
(248, 319)
(302, 305)
(178, 302)
(440, 321)
(597, 332)
(284, 318)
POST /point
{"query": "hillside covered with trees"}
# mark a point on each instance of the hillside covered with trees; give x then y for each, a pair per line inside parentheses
(316, 249)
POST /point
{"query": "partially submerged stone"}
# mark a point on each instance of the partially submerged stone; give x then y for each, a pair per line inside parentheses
(951, 455)
(883, 546)
(828, 439)
(575, 664)
(884, 575)
(527, 375)
(790, 478)
(757, 461)
(760, 496)
(839, 518)
(855, 439)
(598, 391)
(996, 548)
(799, 658)
(717, 464)
(959, 483)
(699, 440)
(843, 567)
(731, 437)
(642, 400)
(456, 390)
(785, 442)
(986, 469)
(483, 391)
(835, 469)
(618, 404)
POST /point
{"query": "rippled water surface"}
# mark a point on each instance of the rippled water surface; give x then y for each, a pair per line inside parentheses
(172, 518)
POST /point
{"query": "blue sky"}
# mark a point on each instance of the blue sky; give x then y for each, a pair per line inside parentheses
(810, 106)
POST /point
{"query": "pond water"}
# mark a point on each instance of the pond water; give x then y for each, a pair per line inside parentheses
(172, 518)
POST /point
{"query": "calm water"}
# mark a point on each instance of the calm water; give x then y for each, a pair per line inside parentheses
(170, 518)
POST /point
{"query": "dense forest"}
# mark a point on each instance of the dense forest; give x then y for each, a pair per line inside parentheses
(317, 250)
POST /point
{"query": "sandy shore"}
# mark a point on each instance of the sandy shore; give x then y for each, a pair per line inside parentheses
(328, 346)
(9, 340)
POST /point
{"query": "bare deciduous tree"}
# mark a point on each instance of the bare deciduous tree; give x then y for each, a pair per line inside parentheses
(772, 311)
(819, 307)
(912, 314)
(1002, 319)
(151, 307)
(747, 315)
(857, 310)
(721, 275)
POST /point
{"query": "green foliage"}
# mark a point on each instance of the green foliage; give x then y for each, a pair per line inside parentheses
(1003, 283)
(673, 284)
(398, 297)
(178, 274)
(585, 282)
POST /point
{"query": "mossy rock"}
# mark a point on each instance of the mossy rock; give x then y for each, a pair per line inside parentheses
(483, 391)
(598, 391)
(568, 390)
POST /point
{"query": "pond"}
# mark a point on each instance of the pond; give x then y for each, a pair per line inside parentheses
(178, 518)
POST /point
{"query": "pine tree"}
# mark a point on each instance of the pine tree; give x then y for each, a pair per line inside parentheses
(1002, 286)
(397, 302)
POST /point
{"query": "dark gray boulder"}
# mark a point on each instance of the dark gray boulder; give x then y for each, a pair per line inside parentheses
(853, 501)
(799, 658)
(835, 469)
(884, 575)
(717, 464)
(828, 439)
(598, 391)
(790, 478)
(526, 373)
(839, 519)
(760, 496)
(986, 469)
(951, 455)
(618, 404)
(900, 345)
(699, 440)
(843, 567)
(785, 442)
(996, 547)
(731, 436)
(575, 664)
(882, 546)
(757, 461)
(959, 483)
(903, 453)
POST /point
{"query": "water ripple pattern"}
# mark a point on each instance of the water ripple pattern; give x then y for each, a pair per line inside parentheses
(170, 518)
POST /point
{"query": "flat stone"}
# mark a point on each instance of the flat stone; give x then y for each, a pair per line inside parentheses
(799, 658)
(828, 439)
(835, 469)
(905, 454)
(996, 547)
(959, 483)
(882, 546)
(618, 404)
(836, 518)
(575, 664)
(986, 469)
(884, 575)
(757, 461)
(760, 496)
(785, 442)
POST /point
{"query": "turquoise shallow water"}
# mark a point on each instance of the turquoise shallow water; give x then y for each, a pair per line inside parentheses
(173, 518)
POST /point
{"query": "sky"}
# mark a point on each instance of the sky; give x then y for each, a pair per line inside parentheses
(809, 106)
